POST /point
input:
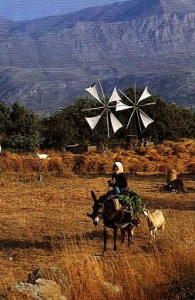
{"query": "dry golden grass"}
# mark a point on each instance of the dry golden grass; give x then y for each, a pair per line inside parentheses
(45, 224)
(179, 155)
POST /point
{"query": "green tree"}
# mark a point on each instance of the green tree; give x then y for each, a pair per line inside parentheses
(4, 121)
(23, 130)
(59, 130)
(172, 122)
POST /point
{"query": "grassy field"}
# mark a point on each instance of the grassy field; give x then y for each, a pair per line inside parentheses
(44, 224)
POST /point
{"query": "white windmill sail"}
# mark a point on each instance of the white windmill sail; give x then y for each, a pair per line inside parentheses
(115, 96)
(93, 91)
(146, 120)
(116, 124)
(92, 121)
(140, 115)
(106, 105)
(122, 106)
(144, 95)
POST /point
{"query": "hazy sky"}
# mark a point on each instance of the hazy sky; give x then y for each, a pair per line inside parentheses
(31, 9)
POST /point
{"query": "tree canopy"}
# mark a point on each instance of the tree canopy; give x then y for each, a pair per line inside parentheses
(23, 130)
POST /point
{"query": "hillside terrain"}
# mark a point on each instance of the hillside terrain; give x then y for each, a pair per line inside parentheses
(47, 63)
(44, 227)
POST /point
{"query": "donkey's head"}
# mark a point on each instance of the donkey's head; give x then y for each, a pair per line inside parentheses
(97, 207)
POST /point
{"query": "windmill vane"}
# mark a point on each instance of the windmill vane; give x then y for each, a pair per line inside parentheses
(142, 117)
(105, 108)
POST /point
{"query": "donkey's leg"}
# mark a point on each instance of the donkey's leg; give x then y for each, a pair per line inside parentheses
(130, 231)
(129, 235)
(115, 237)
(122, 235)
(105, 238)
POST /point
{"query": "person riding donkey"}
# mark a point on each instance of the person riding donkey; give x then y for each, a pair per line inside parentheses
(128, 199)
(119, 190)
(118, 182)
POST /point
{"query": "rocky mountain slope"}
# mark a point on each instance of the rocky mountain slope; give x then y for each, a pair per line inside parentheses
(47, 62)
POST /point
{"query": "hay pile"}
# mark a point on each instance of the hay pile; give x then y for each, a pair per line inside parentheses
(178, 155)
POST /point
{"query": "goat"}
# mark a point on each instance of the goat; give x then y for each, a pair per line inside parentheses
(156, 220)
(42, 156)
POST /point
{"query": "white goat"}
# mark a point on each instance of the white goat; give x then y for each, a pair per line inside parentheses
(42, 156)
(156, 220)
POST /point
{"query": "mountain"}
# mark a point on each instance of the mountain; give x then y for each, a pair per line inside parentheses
(47, 63)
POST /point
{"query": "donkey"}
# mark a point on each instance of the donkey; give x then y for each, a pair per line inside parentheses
(104, 208)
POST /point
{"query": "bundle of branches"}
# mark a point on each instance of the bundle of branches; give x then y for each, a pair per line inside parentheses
(132, 202)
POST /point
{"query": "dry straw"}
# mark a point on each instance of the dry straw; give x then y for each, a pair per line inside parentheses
(158, 159)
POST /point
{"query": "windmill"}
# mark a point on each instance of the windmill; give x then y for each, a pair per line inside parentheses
(105, 109)
(143, 120)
